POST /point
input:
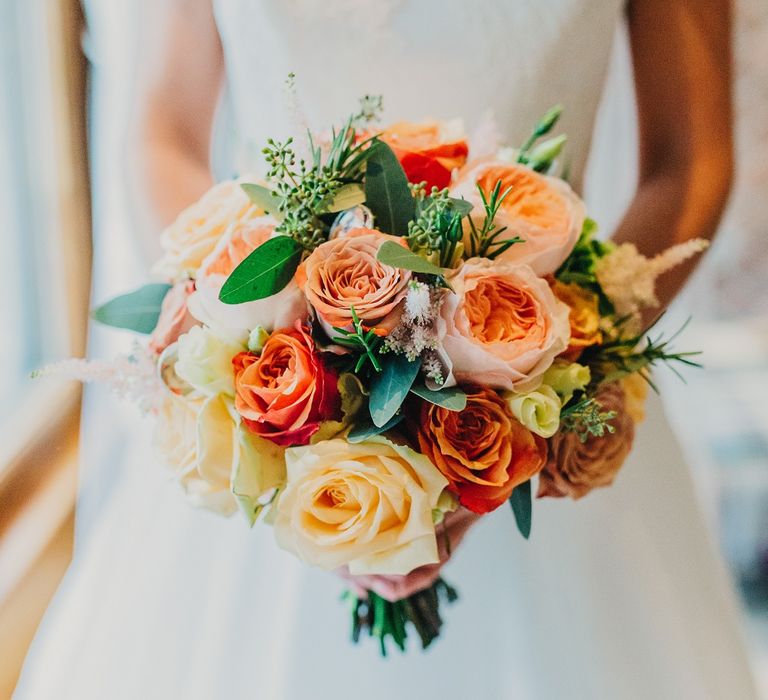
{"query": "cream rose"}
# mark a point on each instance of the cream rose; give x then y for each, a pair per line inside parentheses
(205, 361)
(197, 230)
(502, 327)
(219, 465)
(240, 240)
(366, 505)
(544, 211)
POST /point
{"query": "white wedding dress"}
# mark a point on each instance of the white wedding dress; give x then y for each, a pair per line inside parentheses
(617, 597)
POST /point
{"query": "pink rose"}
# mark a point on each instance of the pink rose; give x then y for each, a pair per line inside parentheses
(280, 310)
(175, 319)
(544, 211)
(503, 326)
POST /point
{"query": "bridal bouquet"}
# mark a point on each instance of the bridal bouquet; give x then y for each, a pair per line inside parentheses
(394, 324)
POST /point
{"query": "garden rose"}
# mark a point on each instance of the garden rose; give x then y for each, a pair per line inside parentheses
(584, 317)
(212, 456)
(428, 152)
(239, 241)
(175, 318)
(483, 451)
(366, 505)
(205, 360)
(286, 392)
(503, 326)
(197, 230)
(544, 211)
(344, 273)
(574, 467)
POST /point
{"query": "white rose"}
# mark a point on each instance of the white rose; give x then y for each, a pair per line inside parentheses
(205, 360)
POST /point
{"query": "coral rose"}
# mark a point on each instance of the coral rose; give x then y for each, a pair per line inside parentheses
(343, 273)
(428, 152)
(544, 211)
(279, 310)
(286, 392)
(503, 326)
(584, 317)
(366, 505)
(197, 230)
(574, 467)
(483, 451)
(175, 318)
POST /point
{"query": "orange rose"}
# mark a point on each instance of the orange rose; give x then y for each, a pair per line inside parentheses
(343, 272)
(240, 240)
(584, 317)
(503, 326)
(286, 392)
(574, 467)
(544, 211)
(175, 319)
(428, 152)
(483, 451)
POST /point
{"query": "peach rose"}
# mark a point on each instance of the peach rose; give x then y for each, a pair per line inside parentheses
(544, 211)
(428, 152)
(367, 505)
(343, 272)
(584, 317)
(503, 326)
(175, 318)
(286, 392)
(279, 310)
(483, 451)
(197, 230)
(574, 467)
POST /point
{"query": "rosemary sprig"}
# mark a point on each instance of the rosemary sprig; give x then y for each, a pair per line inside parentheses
(484, 242)
(366, 342)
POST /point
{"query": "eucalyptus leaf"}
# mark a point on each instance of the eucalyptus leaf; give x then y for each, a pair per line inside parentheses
(366, 429)
(390, 387)
(137, 311)
(387, 193)
(264, 198)
(264, 272)
(348, 197)
(461, 206)
(451, 398)
(522, 506)
(396, 255)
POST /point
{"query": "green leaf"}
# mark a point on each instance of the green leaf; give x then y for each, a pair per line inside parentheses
(451, 398)
(364, 430)
(386, 191)
(396, 255)
(461, 206)
(390, 387)
(348, 196)
(522, 507)
(264, 198)
(264, 272)
(137, 311)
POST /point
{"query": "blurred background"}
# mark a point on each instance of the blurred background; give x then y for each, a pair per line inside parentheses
(66, 80)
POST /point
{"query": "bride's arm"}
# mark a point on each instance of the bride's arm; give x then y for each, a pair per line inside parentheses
(681, 56)
(180, 76)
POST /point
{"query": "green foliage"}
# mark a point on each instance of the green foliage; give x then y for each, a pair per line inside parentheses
(386, 190)
(436, 231)
(137, 311)
(484, 242)
(616, 359)
(543, 156)
(395, 255)
(451, 398)
(587, 419)
(264, 272)
(361, 341)
(542, 128)
(390, 387)
(521, 501)
(264, 198)
(365, 429)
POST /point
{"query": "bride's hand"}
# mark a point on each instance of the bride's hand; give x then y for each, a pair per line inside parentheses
(450, 533)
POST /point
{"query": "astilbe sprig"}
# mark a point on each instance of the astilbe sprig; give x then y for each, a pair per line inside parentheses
(484, 241)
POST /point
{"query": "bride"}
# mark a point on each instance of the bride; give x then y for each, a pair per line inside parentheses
(619, 597)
